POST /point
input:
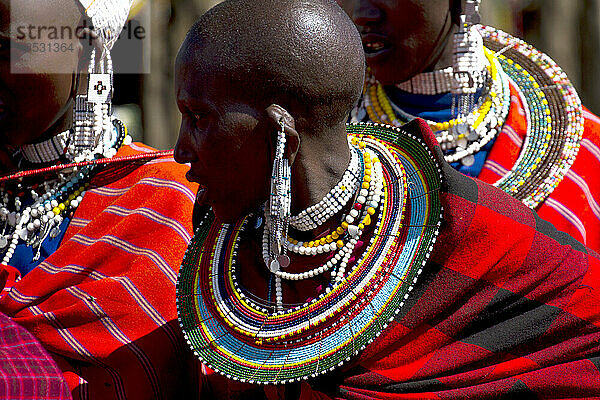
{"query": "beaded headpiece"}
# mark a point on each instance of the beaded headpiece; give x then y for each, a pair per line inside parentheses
(108, 17)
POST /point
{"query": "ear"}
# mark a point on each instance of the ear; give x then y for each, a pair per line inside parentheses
(280, 118)
(89, 40)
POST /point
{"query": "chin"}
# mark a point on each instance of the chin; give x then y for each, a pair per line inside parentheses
(389, 75)
(228, 214)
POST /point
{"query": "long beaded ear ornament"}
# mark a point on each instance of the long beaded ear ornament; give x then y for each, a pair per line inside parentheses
(93, 132)
(553, 110)
(256, 341)
(469, 70)
(277, 221)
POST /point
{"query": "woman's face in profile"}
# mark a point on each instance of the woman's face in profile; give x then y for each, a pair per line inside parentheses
(401, 38)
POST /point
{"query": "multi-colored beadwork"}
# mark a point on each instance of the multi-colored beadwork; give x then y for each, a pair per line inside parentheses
(334, 201)
(368, 196)
(49, 203)
(463, 136)
(554, 118)
(251, 340)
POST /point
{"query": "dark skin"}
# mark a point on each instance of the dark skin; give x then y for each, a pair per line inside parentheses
(403, 38)
(37, 89)
(230, 115)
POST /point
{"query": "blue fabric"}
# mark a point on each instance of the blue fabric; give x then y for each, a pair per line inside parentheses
(437, 108)
(22, 259)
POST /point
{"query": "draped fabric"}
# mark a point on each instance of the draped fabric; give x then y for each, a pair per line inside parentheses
(103, 304)
(573, 207)
(506, 307)
(27, 372)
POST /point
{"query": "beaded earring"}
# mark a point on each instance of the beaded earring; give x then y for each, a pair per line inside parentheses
(468, 63)
(276, 228)
(93, 129)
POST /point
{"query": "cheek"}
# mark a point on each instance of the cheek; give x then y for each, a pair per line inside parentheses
(34, 103)
(253, 173)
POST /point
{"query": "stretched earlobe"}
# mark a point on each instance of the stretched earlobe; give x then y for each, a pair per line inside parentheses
(89, 42)
(282, 120)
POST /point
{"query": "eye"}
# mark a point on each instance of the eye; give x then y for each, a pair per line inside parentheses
(200, 119)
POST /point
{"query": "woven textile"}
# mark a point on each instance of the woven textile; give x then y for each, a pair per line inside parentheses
(573, 207)
(104, 303)
(506, 306)
(26, 370)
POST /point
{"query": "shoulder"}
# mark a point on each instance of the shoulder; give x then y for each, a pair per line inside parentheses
(592, 125)
(155, 182)
(159, 166)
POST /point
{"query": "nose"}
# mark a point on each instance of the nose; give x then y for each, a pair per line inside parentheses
(365, 13)
(184, 151)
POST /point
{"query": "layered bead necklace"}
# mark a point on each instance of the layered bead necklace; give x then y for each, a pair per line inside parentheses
(461, 137)
(553, 109)
(352, 226)
(346, 236)
(49, 202)
(554, 116)
(261, 340)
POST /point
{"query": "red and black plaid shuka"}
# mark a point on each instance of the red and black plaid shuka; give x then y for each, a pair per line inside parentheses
(26, 370)
(507, 307)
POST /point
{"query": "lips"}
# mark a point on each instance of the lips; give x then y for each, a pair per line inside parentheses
(201, 198)
(201, 195)
(375, 44)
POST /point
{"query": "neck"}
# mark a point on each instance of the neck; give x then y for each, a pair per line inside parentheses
(63, 123)
(318, 167)
(443, 58)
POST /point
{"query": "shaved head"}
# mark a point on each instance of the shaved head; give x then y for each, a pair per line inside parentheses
(305, 55)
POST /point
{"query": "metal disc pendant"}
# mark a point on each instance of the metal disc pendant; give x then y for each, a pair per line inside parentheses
(274, 266)
(283, 260)
(55, 232)
(462, 129)
(468, 160)
(473, 135)
(3, 242)
(258, 222)
(362, 113)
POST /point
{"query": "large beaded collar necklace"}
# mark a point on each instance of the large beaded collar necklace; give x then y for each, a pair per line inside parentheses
(554, 114)
(394, 182)
(32, 210)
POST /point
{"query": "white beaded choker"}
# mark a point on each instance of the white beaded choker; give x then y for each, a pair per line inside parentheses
(333, 202)
(429, 83)
(47, 151)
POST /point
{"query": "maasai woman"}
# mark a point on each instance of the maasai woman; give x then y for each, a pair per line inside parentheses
(93, 227)
(353, 261)
(501, 110)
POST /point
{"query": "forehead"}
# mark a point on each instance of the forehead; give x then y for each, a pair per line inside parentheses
(198, 79)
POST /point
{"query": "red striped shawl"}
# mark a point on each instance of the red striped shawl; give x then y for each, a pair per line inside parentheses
(574, 206)
(104, 303)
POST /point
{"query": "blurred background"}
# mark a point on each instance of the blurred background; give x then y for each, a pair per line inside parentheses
(568, 30)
